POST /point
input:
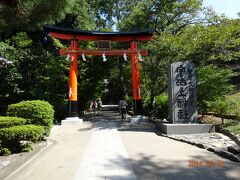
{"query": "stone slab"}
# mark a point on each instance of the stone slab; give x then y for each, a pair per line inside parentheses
(105, 156)
(72, 121)
(185, 128)
(110, 107)
(138, 119)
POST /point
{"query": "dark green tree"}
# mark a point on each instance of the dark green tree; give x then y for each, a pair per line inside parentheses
(27, 15)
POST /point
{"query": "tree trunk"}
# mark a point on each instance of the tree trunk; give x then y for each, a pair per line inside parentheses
(222, 119)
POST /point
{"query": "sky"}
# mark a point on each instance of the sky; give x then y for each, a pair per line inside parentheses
(229, 7)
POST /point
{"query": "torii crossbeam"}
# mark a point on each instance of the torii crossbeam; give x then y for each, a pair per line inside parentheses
(79, 35)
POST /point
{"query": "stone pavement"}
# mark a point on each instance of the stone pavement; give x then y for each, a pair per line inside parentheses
(60, 160)
(105, 156)
(156, 157)
(106, 148)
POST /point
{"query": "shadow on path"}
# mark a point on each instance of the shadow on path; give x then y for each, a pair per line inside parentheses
(112, 116)
(149, 167)
(146, 168)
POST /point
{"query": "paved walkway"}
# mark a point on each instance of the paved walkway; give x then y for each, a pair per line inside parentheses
(113, 150)
(105, 156)
(61, 159)
(156, 157)
(214, 142)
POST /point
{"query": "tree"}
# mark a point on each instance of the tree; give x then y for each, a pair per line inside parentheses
(35, 74)
(38, 74)
(80, 16)
(9, 77)
(220, 106)
(29, 14)
(112, 12)
(216, 44)
(212, 84)
(166, 15)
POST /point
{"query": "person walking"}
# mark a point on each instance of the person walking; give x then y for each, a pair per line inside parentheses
(94, 106)
(123, 108)
(99, 105)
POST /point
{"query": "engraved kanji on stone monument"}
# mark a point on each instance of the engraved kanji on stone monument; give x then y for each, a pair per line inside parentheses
(182, 93)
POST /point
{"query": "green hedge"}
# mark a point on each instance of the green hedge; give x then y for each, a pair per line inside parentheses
(6, 121)
(12, 138)
(36, 112)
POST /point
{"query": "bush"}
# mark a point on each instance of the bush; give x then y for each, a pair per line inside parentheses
(158, 107)
(36, 112)
(6, 121)
(4, 151)
(12, 137)
(234, 103)
(161, 106)
(220, 106)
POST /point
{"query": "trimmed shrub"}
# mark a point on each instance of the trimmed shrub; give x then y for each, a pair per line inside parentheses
(36, 112)
(12, 137)
(6, 121)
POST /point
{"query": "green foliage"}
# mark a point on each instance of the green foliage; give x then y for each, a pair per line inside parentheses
(26, 148)
(11, 121)
(159, 107)
(30, 14)
(36, 112)
(227, 41)
(81, 16)
(234, 102)
(10, 77)
(233, 127)
(212, 84)
(165, 15)
(21, 40)
(220, 106)
(111, 12)
(37, 74)
(57, 43)
(4, 151)
(12, 137)
(201, 45)
(198, 44)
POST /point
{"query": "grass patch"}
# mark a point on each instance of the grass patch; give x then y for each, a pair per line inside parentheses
(233, 127)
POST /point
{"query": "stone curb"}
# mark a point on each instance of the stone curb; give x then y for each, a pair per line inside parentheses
(218, 151)
(22, 160)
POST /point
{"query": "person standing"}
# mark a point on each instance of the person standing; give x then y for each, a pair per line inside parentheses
(99, 105)
(123, 108)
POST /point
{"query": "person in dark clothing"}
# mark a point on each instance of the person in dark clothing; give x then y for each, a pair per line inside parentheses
(94, 106)
(123, 108)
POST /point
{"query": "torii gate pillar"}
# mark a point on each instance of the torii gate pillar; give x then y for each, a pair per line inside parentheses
(72, 92)
(137, 101)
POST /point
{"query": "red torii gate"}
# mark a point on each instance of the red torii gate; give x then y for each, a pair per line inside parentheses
(79, 35)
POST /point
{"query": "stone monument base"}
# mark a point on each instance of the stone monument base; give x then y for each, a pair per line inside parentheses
(71, 121)
(168, 129)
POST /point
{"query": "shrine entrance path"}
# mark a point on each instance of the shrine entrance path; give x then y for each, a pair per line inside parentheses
(106, 148)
